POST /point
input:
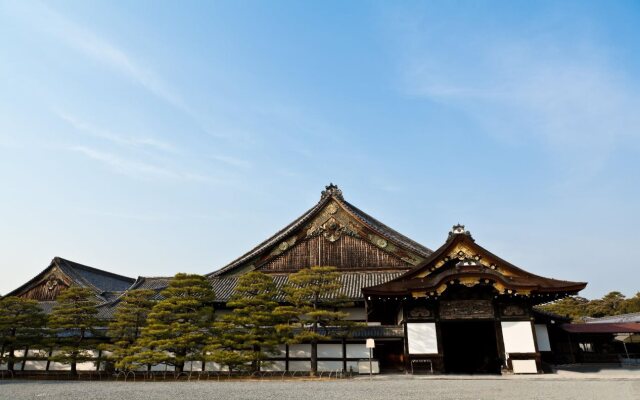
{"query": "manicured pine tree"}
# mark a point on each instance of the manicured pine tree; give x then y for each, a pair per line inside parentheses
(74, 321)
(179, 326)
(127, 324)
(247, 335)
(21, 325)
(313, 297)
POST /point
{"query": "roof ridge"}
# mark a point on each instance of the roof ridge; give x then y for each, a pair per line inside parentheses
(331, 192)
(273, 238)
(421, 248)
(77, 265)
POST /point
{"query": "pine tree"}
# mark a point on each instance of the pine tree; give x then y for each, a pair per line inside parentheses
(313, 297)
(74, 319)
(247, 335)
(21, 325)
(125, 328)
(179, 326)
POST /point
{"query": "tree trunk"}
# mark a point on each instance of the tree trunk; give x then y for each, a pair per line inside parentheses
(314, 357)
(11, 362)
(74, 371)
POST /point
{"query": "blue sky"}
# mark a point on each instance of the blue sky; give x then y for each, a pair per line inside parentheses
(149, 137)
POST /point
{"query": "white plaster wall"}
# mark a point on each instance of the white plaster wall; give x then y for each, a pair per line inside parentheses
(86, 366)
(299, 365)
(518, 337)
(56, 366)
(357, 350)
(356, 313)
(35, 365)
(213, 366)
(330, 350)
(274, 366)
(524, 367)
(422, 338)
(300, 350)
(329, 365)
(363, 367)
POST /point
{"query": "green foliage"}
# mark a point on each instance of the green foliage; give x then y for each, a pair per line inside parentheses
(312, 294)
(248, 334)
(177, 326)
(613, 303)
(125, 328)
(74, 319)
(21, 325)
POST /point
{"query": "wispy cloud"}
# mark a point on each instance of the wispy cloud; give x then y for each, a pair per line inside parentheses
(570, 96)
(232, 161)
(100, 49)
(105, 134)
(138, 169)
(76, 36)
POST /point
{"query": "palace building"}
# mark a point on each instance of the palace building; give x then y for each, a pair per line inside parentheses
(456, 309)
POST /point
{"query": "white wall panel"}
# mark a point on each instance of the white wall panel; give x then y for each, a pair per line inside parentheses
(299, 365)
(356, 313)
(363, 367)
(524, 366)
(192, 366)
(352, 366)
(358, 350)
(274, 366)
(422, 338)
(330, 350)
(300, 350)
(86, 366)
(329, 365)
(213, 366)
(542, 337)
(518, 337)
(33, 365)
(56, 366)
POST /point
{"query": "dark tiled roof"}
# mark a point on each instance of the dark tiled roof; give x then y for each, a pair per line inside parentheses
(622, 318)
(101, 280)
(105, 285)
(387, 232)
(375, 225)
(352, 283)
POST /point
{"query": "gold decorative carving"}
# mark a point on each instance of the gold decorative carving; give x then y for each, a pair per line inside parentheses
(513, 311)
(332, 230)
(332, 208)
(466, 309)
(420, 312)
(52, 283)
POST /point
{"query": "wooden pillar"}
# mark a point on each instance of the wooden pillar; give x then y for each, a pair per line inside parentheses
(344, 355)
(286, 357)
(500, 343)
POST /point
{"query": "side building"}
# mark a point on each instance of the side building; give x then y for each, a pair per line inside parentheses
(457, 309)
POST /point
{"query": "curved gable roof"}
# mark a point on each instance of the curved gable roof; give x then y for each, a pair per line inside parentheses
(331, 194)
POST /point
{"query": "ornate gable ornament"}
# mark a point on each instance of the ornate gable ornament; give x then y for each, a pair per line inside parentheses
(459, 229)
(331, 190)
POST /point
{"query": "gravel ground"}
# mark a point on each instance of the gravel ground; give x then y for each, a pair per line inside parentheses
(387, 389)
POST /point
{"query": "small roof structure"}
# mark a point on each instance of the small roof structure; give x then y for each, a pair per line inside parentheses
(605, 327)
(462, 261)
(62, 273)
(622, 318)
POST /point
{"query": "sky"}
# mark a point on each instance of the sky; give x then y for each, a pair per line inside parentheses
(154, 137)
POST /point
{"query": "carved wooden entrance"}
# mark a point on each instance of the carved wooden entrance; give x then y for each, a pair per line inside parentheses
(470, 347)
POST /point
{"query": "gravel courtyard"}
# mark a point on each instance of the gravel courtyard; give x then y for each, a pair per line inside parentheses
(388, 388)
